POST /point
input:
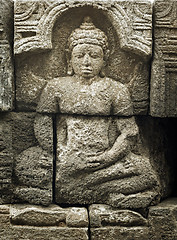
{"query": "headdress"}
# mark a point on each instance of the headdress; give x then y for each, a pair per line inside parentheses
(87, 33)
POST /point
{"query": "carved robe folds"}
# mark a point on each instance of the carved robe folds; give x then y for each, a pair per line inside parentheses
(97, 157)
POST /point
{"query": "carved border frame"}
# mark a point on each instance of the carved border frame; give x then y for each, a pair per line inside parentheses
(118, 16)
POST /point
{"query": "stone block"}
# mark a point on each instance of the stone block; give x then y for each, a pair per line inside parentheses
(4, 221)
(26, 166)
(36, 222)
(98, 162)
(6, 59)
(41, 40)
(121, 233)
(157, 143)
(163, 221)
(104, 215)
(163, 100)
(33, 164)
(6, 159)
(111, 223)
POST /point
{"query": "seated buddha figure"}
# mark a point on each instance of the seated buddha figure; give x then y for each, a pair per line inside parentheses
(97, 159)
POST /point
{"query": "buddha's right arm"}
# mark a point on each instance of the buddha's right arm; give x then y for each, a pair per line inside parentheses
(43, 129)
(121, 147)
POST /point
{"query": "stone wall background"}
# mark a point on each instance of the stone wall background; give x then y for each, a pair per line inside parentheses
(153, 93)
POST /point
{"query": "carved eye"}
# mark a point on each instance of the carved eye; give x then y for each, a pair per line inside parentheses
(79, 56)
(93, 55)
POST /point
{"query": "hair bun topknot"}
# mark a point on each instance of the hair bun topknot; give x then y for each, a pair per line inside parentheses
(89, 34)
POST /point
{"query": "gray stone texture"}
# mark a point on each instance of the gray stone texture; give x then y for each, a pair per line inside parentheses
(78, 136)
(157, 142)
(88, 170)
(104, 216)
(97, 159)
(6, 159)
(121, 233)
(33, 176)
(16, 135)
(34, 222)
(41, 37)
(6, 59)
(163, 100)
(26, 168)
(163, 220)
(33, 165)
(110, 223)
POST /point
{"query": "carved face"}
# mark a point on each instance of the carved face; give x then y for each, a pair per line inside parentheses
(87, 60)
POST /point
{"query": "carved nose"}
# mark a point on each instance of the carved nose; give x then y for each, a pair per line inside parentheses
(86, 60)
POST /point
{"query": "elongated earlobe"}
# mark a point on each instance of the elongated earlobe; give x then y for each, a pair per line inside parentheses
(102, 73)
(70, 71)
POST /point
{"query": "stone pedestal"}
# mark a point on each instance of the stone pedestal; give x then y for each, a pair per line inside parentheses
(111, 224)
(163, 220)
(34, 222)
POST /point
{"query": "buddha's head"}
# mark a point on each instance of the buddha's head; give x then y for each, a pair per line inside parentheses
(87, 51)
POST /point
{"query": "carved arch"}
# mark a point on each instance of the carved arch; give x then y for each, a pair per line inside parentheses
(42, 37)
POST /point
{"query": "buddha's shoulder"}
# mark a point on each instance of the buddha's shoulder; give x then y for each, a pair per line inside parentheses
(59, 84)
(57, 81)
(118, 87)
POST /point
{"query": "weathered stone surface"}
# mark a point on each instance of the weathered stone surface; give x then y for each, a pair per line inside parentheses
(111, 223)
(23, 136)
(33, 176)
(163, 100)
(31, 215)
(6, 60)
(97, 159)
(121, 233)
(163, 220)
(47, 25)
(34, 222)
(108, 223)
(159, 145)
(104, 215)
(26, 167)
(4, 222)
(89, 170)
(33, 166)
(43, 129)
(6, 159)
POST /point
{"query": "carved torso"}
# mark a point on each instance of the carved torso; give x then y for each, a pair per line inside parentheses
(95, 119)
(102, 97)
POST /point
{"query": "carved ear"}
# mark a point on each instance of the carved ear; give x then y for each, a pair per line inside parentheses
(68, 55)
(102, 72)
(70, 71)
(106, 54)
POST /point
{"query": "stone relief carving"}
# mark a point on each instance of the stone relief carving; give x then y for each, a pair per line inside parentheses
(97, 159)
(6, 159)
(33, 168)
(40, 16)
(20, 221)
(164, 67)
(36, 23)
(6, 62)
(73, 138)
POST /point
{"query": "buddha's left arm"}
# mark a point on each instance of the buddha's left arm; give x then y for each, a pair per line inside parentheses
(126, 140)
(126, 125)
